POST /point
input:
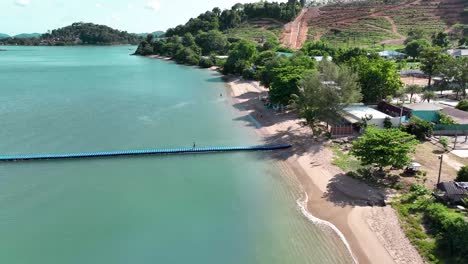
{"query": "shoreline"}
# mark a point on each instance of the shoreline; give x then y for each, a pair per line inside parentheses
(371, 234)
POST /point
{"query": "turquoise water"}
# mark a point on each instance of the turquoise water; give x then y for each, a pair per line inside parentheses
(222, 208)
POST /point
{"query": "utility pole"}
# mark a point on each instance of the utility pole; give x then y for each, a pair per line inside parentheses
(456, 137)
(441, 158)
(401, 113)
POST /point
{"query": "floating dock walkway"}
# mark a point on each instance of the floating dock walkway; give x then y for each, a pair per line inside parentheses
(138, 152)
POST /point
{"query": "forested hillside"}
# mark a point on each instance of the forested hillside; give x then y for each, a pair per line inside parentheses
(78, 34)
(212, 32)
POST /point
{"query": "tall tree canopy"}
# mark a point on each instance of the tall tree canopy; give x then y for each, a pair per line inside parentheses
(240, 58)
(432, 60)
(323, 94)
(415, 47)
(382, 148)
(378, 78)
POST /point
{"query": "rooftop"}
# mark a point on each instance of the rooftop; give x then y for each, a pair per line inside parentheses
(390, 53)
(459, 116)
(411, 72)
(454, 188)
(424, 107)
(361, 111)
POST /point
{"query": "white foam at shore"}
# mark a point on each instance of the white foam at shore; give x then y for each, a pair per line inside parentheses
(303, 206)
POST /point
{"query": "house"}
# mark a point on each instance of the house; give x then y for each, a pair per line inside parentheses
(391, 54)
(457, 53)
(355, 114)
(316, 58)
(286, 54)
(413, 73)
(453, 192)
(320, 58)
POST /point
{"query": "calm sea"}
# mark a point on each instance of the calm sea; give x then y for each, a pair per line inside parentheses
(216, 208)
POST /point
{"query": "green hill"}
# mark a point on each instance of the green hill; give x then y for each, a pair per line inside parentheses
(155, 33)
(77, 34)
(28, 35)
(4, 36)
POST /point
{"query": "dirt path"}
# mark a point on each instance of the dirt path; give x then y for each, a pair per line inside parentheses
(401, 38)
(295, 32)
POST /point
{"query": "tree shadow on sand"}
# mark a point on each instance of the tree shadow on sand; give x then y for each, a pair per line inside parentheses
(343, 190)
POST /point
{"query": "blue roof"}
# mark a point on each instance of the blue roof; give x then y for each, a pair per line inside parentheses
(390, 53)
(287, 54)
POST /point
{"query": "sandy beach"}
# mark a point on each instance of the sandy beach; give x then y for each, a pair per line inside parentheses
(373, 234)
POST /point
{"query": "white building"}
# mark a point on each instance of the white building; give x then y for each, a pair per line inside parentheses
(357, 113)
(457, 53)
(391, 54)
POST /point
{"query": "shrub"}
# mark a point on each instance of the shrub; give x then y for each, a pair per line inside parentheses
(206, 63)
(462, 105)
(444, 142)
(387, 123)
(462, 175)
(418, 127)
(445, 119)
(418, 189)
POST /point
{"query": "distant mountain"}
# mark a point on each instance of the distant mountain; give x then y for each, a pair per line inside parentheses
(28, 35)
(156, 34)
(76, 34)
(4, 36)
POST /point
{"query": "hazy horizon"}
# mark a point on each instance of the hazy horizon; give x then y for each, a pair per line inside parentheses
(135, 16)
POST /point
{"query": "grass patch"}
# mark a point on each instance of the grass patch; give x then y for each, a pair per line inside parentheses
(411, 224)
(437, 232)
(255, 32)
(344, 161)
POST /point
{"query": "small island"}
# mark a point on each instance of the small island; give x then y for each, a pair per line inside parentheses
(77, 34)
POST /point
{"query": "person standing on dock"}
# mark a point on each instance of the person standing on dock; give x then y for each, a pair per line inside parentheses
(194, 145)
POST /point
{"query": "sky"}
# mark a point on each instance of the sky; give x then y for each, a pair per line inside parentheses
(136, 16)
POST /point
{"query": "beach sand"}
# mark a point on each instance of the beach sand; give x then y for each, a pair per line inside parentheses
(374, 234)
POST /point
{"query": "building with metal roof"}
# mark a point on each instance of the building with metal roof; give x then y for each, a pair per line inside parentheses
(454, 192)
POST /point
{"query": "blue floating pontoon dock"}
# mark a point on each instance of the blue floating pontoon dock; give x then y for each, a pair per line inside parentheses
(138, 152)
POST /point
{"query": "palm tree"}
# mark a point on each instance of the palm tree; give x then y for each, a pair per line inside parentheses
(413, 89)
(428, 96)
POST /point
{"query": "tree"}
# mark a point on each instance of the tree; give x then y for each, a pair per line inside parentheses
(462, 175)
(285, 83)
(150, 38)
(458, 72)
(462, 105)
(414, 48)
(378, 78)
(413, 89)
(419, 128)
(382, 148)
(144, 48)
(187, 55)
(428, 96)
(240, 58)
(188, 40)
(431, 61)
(440, 39)
(415, 33)
(211, 42)
(323, 94)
